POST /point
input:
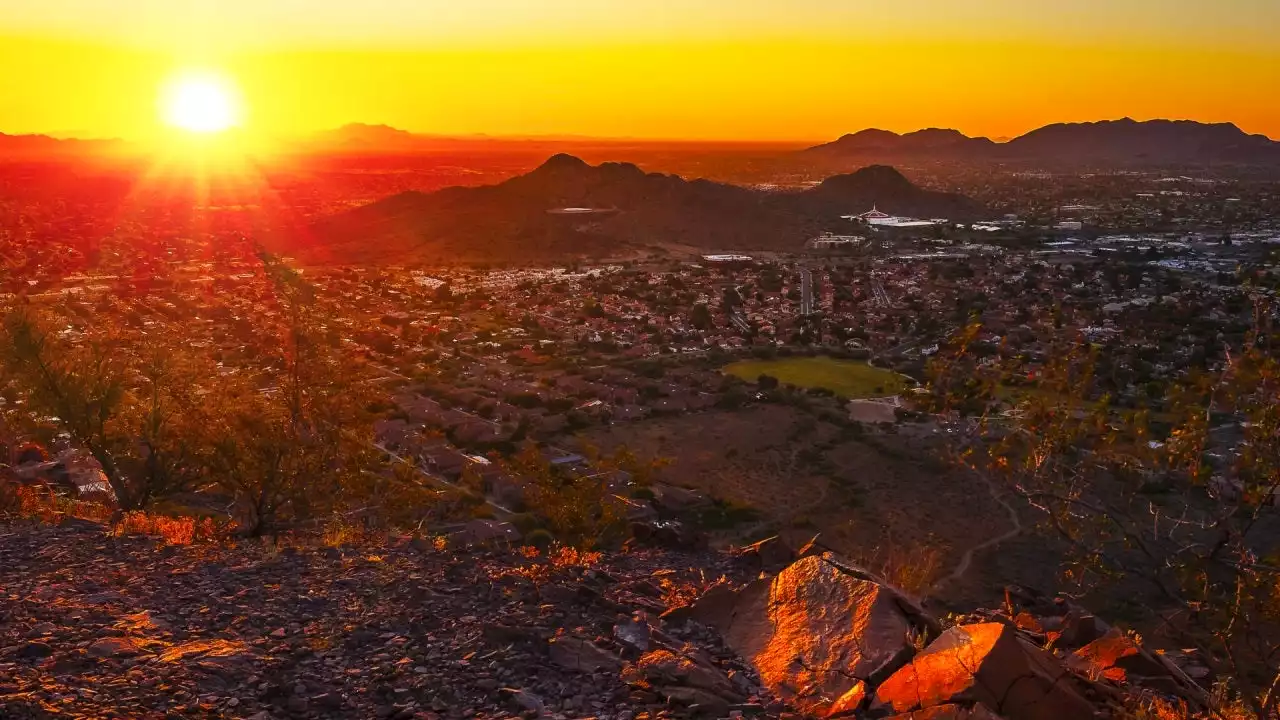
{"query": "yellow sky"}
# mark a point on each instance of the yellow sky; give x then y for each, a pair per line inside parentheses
(739, 69)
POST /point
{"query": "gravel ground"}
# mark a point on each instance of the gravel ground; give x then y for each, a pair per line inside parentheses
(95, 626)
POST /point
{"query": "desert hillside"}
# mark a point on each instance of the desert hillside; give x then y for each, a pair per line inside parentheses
(97, 625)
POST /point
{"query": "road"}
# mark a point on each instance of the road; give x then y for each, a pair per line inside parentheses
(390, 372)
(880, 294)
(806, 291)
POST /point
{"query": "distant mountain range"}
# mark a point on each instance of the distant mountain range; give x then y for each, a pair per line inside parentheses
(566, 208)
(1122, 142)
(24, 147)
(366, 139)
(359, 138)
(1108, 143)
(1118, 143)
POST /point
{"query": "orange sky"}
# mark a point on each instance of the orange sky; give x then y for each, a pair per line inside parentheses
(733, 69)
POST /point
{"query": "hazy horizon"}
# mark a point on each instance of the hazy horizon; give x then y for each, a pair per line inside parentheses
(313, 135)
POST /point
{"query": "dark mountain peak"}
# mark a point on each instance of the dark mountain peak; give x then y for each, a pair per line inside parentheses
(563, 161)
(622, 169)
(883, 187)
(567, 207)
(871, 138)
(870, 134)
(938, 133)
(942, 138)
(1150, 142)
(879, 172)
(568, 171)
(873, 143)
(881, 177)
(1129, 125)
(1117, 142)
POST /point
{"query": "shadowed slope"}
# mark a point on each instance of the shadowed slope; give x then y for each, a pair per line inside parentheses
(569, 208)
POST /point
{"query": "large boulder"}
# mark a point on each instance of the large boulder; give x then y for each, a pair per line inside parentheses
(582, 655)
(769, 555)
(668, 669)
(1079, 629)
(677, 499)
(818, 632)
(1119, 658)
(717, 602)
(114, 647)
(986, 664)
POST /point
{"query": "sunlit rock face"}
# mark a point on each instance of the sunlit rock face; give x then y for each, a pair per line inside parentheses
(818, 632)
(986, 664)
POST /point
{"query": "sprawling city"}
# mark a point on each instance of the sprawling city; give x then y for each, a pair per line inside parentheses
(315, 420)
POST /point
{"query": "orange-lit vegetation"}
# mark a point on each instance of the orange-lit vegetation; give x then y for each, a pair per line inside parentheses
(541, 565)
(283, 438)
(287, 441)
(37, 503)
(174, 531)
(1136, 500)
(914, 569)
(578, 511)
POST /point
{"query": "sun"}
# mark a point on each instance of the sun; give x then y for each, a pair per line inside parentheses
(200, 103)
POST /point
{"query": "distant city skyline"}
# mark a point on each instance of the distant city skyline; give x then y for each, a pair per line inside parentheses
(700, 69)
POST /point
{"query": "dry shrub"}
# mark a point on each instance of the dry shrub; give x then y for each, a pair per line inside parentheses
(34, 502)
(341, 530)
(541, 569)
(1153, 707)
(173, 530)
(580, 511)
(914, 569)
(677, 592)
(567, 557)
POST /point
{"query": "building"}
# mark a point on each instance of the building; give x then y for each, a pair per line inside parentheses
(874, 216)
(877, 218)
(828, 241)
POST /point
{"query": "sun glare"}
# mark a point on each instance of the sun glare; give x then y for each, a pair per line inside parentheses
(201, 104)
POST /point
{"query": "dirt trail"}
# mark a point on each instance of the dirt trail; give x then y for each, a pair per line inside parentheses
(966, 560)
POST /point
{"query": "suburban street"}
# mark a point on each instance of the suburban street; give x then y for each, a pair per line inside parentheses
(806, 291)
(880, 294)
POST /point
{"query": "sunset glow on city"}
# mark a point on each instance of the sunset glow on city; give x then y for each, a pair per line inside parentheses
(644, 360)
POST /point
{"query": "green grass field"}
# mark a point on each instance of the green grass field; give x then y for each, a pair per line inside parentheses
(846, 378)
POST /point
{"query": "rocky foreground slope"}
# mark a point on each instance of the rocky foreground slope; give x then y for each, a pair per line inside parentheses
(96, 626)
